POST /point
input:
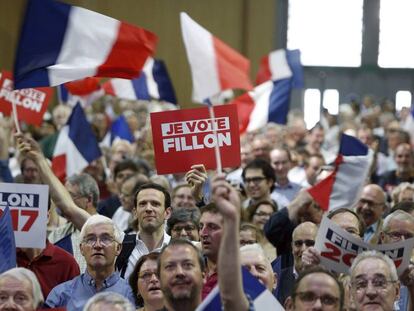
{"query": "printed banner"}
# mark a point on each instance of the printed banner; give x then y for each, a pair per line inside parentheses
(31, 104)
(185, 137)
(28, 208)
(338, 248)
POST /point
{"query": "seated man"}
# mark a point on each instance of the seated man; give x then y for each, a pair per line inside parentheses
(101, 243)
(316, 289)
(184, 223)
(375, 284)
(20, 290)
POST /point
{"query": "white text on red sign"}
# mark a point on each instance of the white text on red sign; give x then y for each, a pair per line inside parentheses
(28, 98)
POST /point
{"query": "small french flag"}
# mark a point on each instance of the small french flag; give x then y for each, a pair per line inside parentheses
(343, 186)
(153, 83)
(215, 66)
(76, 146)
(61, 43)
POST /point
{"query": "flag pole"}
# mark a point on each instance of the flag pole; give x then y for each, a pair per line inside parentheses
(15, 117)
(216, 147)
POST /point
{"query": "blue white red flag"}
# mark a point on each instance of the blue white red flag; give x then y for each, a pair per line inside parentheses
(281, 64)
(61, 43)
(121, 130)
(262, 298)
(214, 65)
(7, 243)
(343, 186)
(153, 83)
(76, 146)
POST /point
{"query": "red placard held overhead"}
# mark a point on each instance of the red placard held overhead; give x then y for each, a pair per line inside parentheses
(185, 137)
(31, 103)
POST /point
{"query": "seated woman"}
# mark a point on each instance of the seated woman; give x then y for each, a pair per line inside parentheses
(145, 284)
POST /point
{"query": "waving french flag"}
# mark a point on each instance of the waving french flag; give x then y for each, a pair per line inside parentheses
(262, 298)
(281, 64)
(76, 146)
(61, 43)
(343, 186)
(215, 66)
(153, 83)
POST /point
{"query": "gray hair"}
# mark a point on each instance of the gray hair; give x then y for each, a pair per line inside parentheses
(399, 189)
(183, 215)
(258, 250)
(99, 219)
(375, 255)
(397, 215)
(23, 274)
(109, 299)
(87, 186)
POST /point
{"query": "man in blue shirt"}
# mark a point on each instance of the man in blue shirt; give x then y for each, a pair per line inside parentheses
(100, 245)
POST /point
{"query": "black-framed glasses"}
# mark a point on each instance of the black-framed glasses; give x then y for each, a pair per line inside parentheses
(397, 236)
(378, 282)
(262, 214)
(187, 228)
(311, 298)
(308, 243)
(371, 204)
(255, 180)
(104, 240)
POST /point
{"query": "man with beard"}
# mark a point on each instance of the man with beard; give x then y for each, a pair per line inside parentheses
(152, 207)
(180, 271)
(371, 206)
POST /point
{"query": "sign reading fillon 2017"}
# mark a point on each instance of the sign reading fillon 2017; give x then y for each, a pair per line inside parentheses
(186, 137)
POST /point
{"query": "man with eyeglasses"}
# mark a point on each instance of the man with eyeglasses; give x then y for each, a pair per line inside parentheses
(399, 226)
(101, 244)
(370, 207)
(184, 223)
(259, 178)
(374, 282)
(316, 289)
(303, 237)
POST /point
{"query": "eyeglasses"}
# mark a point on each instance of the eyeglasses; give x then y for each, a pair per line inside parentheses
(104, 240)
(397, 236)
(310, 298)
(147, 275)
(262, 214)
(379, 283)
(178, 229)
(254, 180)
(369, 203)
(308, 243)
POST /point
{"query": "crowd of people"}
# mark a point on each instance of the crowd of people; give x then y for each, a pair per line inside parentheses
(121, 237)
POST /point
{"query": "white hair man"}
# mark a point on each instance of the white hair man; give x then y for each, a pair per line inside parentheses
(109, 302)
(101, 243)
(20, 290)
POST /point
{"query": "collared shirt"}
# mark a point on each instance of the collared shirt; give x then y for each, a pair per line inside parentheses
(289, 190)
(122, 218)
(370, 231)
(75, 293)
(140, 250)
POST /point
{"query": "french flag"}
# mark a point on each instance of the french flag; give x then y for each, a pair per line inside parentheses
(153, 83)
(61, 43)
(215, 66)
(263, 299)
(281, 64)
(343, 186)
(76, 146)
(270, 100)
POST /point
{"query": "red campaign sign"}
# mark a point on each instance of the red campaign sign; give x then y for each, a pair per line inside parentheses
(31, 104)
(185, 137)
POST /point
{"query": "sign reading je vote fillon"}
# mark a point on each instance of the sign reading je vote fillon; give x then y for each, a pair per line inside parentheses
(338, 248)
(185, 137)
(31, 104)
(28, 208)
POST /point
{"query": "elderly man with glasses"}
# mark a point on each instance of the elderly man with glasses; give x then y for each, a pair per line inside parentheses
(101, 244)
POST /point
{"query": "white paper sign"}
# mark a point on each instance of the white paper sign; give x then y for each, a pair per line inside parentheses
(338, 248)
(28, 207)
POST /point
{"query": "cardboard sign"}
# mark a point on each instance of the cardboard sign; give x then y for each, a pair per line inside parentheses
(28, 208)
(338, 248)
(185, 137)
(31, 104)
